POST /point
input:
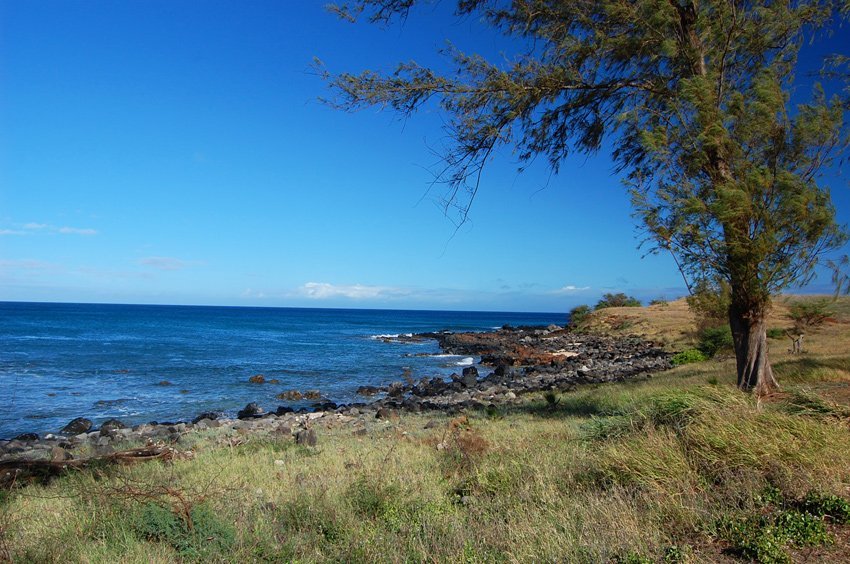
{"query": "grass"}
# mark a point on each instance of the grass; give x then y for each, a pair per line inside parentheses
(678, 468)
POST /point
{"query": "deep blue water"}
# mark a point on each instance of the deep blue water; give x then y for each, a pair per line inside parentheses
(60, 361)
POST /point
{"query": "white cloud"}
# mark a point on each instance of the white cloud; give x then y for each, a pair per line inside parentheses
(33, 227)
(164, 263)
(569, 289)
(323, 291)
(76, 231)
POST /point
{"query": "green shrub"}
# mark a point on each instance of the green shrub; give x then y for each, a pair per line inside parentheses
(617, 300)
(809, 313)
(709, 303)
(764, 538)
(802, 529)
(775, 333)
(659, 302)
(715, 339)
(678, 554)
(196, 537)
(827, 505)
(578, 314)
(688, 357)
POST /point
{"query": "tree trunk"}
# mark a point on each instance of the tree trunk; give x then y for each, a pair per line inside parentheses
(749, 333)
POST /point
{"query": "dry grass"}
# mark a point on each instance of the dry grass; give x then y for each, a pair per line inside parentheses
(609, 473)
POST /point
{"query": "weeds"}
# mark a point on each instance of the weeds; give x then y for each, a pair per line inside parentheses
(836, 508)
(196, 535)
(765, 538)
(688, 357)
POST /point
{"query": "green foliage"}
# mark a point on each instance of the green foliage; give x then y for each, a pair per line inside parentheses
(677, 554)
(709, 301)
(195, 536)
(633, 558)
(694, 98)
(775, 333)
(764, 538)
(827, 505)
(809, 313)
(659, 302)
(688, 356)
(714, 339)
(617, 300)
(372, 499)
(578, 314)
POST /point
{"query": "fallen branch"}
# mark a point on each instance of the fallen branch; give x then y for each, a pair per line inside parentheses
(13, 472)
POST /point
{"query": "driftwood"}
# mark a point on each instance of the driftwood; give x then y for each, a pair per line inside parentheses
(23, 471)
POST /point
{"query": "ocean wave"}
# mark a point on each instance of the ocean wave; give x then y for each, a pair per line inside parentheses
(391, 336)
(468, 361)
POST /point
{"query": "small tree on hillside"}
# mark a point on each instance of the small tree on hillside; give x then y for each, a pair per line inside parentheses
(695, 95)
(617, 300)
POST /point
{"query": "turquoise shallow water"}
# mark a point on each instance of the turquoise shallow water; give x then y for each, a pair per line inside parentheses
(60, 361)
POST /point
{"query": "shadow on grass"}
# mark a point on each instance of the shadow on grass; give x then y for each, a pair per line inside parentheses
(812, 369)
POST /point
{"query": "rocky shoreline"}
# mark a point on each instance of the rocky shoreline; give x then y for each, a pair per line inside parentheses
(523, 360)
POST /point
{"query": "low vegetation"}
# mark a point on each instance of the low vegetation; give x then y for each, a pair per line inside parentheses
(617, 300)
(682, 467)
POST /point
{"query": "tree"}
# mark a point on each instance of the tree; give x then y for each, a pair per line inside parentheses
(617, 300)
(695, 97)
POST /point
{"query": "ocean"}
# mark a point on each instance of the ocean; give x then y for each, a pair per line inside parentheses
(141, 363)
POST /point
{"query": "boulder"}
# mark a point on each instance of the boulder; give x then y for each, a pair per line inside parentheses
(77, 426)
(250, 411)
(211, 415)
(59, 454)
(291, 395)
(324, 406)
(470, 376)
(27, 437)
(164, 383)
(312, 394)
(395, 389)
(110, 426)
(283, 410)
(368, 390)
(257, 379)
(306, 437)
(386, 413)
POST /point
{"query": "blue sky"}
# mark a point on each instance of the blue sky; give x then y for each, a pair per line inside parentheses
(176, 152)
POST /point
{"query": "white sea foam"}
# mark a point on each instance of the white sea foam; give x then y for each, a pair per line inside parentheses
(391, 336)
(465, 361)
